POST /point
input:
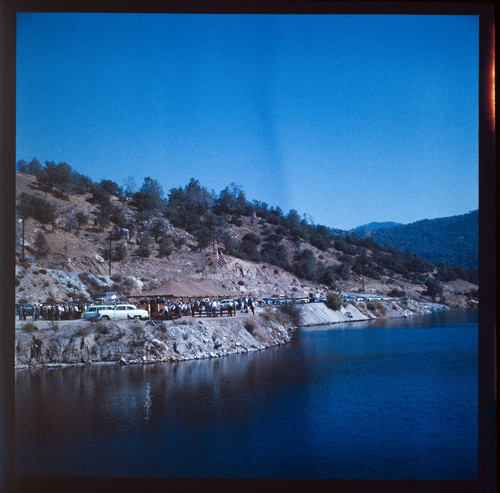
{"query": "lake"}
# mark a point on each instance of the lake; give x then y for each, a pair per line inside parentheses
(383, 399)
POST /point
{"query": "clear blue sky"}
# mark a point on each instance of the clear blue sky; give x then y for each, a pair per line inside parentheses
(346, 118)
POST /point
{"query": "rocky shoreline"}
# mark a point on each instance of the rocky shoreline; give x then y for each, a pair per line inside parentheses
(319, 314)
(61, 344)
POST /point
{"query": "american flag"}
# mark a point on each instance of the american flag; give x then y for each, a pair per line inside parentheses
(220, 259)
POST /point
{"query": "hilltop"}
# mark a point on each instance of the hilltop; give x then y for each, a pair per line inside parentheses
(374, 226)
(447, 239)
(70, 223)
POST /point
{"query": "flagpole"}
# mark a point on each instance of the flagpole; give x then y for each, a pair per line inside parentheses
(217, 273)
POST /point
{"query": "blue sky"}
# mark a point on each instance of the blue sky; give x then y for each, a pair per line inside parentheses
(346, 118)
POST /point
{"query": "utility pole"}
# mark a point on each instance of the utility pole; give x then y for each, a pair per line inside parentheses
(109, 254)
(22, 219)
(363, 274)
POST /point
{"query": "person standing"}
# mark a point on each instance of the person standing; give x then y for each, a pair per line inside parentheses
(251, 305)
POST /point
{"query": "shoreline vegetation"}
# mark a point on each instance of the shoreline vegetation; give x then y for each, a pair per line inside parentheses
(50, 344)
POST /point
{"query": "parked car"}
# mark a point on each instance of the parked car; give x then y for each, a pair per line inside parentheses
(93, 311)
(120, 311)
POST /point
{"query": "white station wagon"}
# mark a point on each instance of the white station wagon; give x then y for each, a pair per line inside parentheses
(115, 312)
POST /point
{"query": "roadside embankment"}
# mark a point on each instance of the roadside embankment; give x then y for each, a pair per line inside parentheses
(56, 344)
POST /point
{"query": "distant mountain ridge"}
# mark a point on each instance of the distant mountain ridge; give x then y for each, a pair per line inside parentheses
(449, 239)
(375, 226)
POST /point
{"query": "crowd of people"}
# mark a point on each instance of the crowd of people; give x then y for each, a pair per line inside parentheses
(157, 307)
(171, 309)
(52, 311)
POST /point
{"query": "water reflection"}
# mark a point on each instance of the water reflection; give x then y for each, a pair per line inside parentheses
(397, 400)
(116, 397)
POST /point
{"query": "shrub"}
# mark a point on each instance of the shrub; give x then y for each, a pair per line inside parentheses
(84, 331)
(250, 325)
(274, 315)
(241, 283)
(23, 300)
(30, 328)
(42, 271)
(292, 312)
(396, 293)
(143, 251)
(333, 301)
(102, 328)
(434, 288)
(37, 208)
(41, 245)
(81, 219)
(119, 252)
(371, 306)
(165, 247)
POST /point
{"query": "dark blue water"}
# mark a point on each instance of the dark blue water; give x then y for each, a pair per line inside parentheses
(373, 400)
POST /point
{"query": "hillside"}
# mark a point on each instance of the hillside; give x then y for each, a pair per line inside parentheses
(72, 225)
(448, 239)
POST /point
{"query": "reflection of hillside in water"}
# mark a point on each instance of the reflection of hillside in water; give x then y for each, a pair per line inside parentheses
(65, 404)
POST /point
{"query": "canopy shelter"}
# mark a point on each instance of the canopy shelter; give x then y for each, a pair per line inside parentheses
(187, 289)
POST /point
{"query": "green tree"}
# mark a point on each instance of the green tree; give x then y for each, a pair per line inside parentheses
(57, 176)
(41, 246)
(22, 166)
(231, 200)
(37, 208)
(333, 301)
(150, 196)
(166, 247)
(81, 219)
(434, 288)
(111, 188)
(305, 265)
(248, 247)
(145, 245)
(80, 183)
(102, 220)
